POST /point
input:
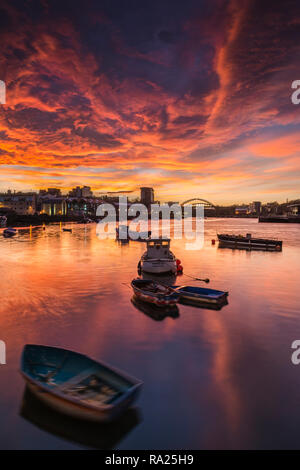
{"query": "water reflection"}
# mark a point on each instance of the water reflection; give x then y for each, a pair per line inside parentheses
(98, 436)
(154, 312)
(166, 279)
(224, 246)
(225, 377)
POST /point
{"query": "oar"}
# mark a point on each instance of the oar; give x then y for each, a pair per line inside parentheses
(197, 278)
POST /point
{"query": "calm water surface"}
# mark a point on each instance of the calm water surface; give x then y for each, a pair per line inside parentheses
(212, 379)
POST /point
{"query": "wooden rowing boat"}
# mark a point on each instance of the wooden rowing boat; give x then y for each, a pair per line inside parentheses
(154, 293)
(76, 385)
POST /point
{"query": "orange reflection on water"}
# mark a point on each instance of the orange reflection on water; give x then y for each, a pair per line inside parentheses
(213, 377)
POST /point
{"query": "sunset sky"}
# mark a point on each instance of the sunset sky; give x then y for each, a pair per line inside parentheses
(191, 97)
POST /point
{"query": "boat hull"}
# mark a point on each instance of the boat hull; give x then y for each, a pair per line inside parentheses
(145, 294)
(159, 266)
(155, 301)
(200, 296)
(79, 411)
(249, 243)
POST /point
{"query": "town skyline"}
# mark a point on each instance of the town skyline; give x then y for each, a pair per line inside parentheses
(84, 191)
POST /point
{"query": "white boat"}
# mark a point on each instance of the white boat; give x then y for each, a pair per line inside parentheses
(158, 259)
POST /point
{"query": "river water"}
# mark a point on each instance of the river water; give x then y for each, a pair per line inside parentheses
(212, 379)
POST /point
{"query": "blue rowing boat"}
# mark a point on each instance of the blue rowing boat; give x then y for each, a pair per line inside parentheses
(200, 295)
(76, 385)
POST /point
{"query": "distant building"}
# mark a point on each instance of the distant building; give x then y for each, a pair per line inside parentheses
(21, 203)
(75, 192)
(294, 209)
(255, 207)
(241, 210)
(52, 205)
(54, 192)
(147, 196)
(85, 191)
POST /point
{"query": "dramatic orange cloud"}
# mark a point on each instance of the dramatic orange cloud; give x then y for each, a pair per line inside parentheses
(196, 103)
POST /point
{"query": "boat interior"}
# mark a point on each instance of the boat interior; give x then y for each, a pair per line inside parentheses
(152, 286)
(74, 375)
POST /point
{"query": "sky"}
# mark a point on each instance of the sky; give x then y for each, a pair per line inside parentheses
(190, 97)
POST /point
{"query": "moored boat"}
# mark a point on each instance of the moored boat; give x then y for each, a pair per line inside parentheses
(9, 232)
(200, 295)
(240, 241)
(67, 230)
(158, 259)
(76, 385)
(154, 293)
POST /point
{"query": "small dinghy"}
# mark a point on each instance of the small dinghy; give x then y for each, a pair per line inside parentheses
(76, 385)
(201, 295)
(9, 232)
(67, 230)
(154, 293)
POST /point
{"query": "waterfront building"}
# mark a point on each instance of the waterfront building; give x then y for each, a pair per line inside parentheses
(294, 209)
(255, 207)
(52, 205)
(20, 203)
(243, 210)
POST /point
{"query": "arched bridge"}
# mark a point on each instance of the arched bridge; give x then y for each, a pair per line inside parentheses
(196, 201)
